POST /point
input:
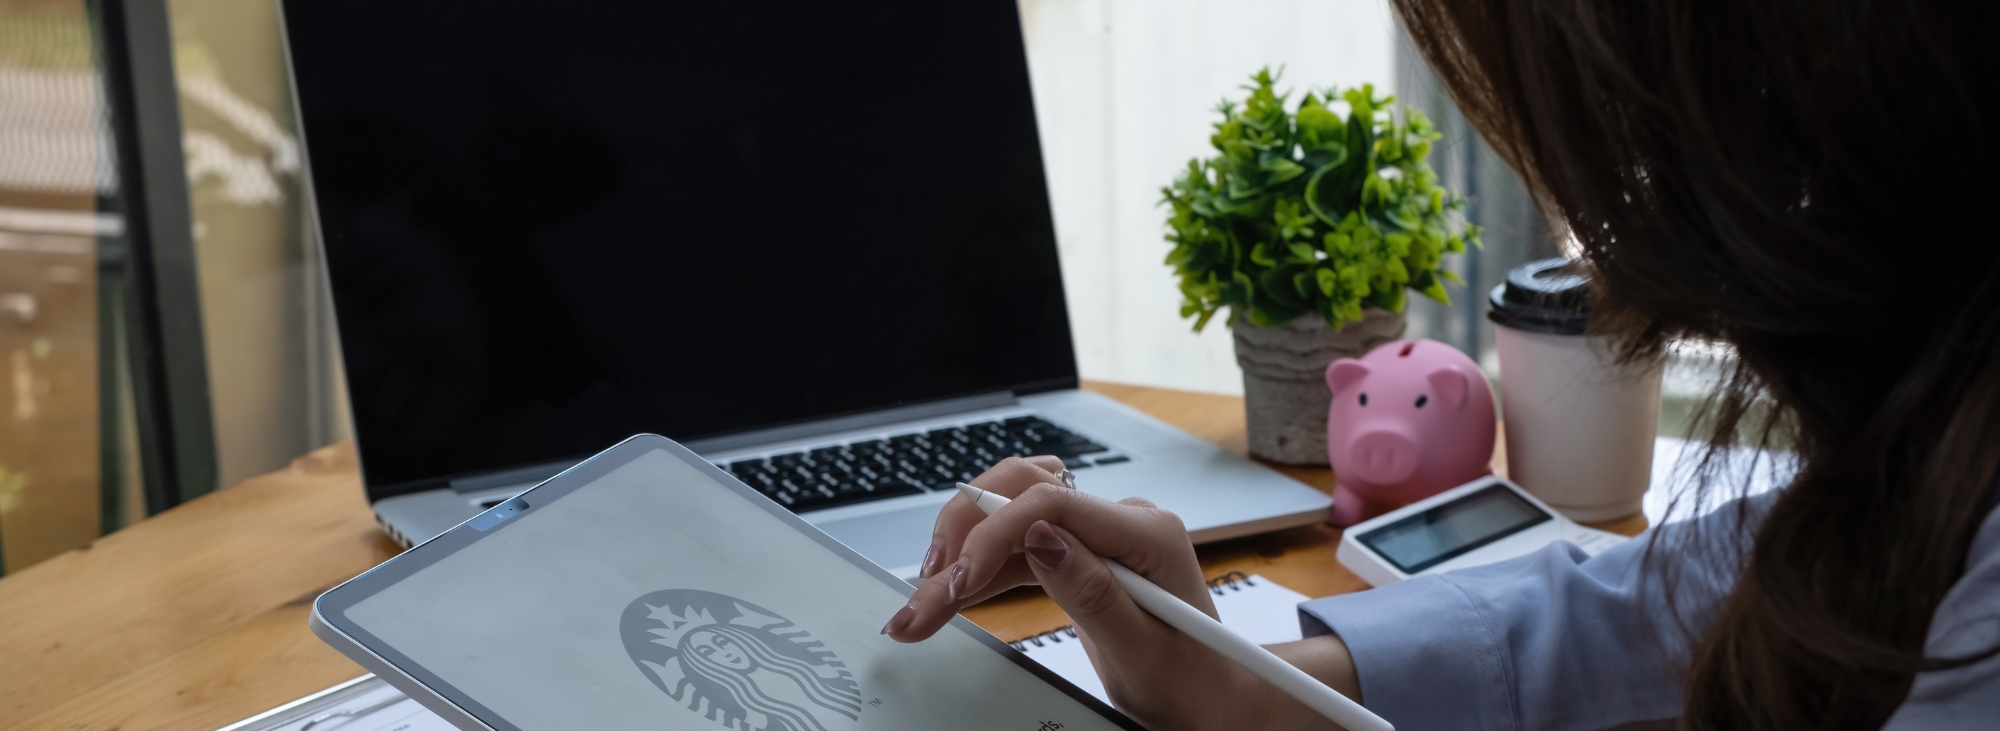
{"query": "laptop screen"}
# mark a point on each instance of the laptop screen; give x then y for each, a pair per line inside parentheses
(550, 226)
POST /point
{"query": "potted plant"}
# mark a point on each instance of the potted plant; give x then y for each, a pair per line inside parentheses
(1309, 226)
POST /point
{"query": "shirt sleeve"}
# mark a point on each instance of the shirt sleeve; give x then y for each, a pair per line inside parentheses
(1555, 640)
(1966, 627)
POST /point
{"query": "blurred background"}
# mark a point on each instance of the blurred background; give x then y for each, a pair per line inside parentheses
(142, 365)
(57, 489)
(72, 464)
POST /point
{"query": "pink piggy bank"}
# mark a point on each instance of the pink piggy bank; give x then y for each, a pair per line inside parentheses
(1409, 420)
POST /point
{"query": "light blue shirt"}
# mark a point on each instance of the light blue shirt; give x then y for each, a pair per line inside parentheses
(1561, 641)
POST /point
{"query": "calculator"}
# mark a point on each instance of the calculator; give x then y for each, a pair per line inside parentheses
(1480, 522)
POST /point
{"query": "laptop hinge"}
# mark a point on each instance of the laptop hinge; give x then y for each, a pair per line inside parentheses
(510, 478)
(850, 423)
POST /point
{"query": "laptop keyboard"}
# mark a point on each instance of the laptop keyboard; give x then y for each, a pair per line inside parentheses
(910, 464)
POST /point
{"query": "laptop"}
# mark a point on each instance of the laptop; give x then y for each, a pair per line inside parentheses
(811, 240)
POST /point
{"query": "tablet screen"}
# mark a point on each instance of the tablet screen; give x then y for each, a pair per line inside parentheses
(657, 597)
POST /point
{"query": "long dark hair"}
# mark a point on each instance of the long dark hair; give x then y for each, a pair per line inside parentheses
(1802, 180)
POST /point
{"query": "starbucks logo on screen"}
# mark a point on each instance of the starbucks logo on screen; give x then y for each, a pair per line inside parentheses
(737, 664)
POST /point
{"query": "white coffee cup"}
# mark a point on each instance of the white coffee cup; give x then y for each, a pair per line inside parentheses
(1580, 426)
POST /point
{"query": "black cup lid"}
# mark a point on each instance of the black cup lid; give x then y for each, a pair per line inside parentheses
(1546, 296)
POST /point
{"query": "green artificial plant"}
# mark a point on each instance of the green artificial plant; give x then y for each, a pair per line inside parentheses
(1309, 212)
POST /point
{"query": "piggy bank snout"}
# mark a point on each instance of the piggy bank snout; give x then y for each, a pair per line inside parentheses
(1383, 457)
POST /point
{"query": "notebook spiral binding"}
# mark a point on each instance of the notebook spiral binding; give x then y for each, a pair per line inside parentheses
(1232, 581)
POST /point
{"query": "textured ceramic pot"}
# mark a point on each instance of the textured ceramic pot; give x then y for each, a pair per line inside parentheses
(1284, 379)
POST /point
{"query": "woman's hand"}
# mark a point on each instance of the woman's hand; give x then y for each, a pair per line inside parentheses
(1061, 538)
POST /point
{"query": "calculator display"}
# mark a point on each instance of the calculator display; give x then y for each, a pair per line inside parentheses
(1450, 530)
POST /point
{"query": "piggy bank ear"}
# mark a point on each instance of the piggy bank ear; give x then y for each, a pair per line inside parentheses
(1343, 373)
(1451, 385)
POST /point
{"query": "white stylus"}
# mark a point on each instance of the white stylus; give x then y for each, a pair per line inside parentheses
(1207, 631)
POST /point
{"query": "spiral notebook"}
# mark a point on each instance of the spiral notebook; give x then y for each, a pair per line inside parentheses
(1252, 606)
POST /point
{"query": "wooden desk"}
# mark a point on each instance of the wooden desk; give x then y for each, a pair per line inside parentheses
(196, 618)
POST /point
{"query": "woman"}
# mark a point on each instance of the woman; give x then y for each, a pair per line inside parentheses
(1787, 177)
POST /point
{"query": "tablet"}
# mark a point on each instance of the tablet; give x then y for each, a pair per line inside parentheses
(647, 589)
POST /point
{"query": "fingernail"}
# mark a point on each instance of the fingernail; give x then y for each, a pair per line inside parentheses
(901, 618)
(931, 557)
(957, 580)
(1044, 546)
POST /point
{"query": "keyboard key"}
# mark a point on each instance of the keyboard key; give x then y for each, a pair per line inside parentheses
(1113, 459)
(1073, 446)
(851, 496)
(1030, 422)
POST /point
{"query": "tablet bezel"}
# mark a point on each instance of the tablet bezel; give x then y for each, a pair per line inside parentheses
(329, 610)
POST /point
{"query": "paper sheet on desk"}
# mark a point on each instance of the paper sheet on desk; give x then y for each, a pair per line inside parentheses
(404, 715)
(363, 704)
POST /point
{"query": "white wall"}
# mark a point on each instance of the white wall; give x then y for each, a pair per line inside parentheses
(1125, 91)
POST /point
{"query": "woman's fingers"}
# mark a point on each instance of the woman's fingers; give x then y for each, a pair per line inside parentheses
(1048, 462)
(1149, 541)
(1133, 531)
(1081, 584)
(1010, 477)
(1148, 667)
(931, 606)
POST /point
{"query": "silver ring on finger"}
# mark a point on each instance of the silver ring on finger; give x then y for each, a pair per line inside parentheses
(1068, 478)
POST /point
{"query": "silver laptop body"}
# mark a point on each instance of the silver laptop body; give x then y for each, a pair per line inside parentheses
(1218, 494)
